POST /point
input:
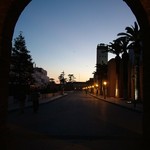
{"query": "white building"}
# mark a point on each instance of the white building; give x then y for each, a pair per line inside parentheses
(40, 77)
(102, 55)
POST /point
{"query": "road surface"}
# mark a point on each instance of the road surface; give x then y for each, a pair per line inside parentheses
(76, 121)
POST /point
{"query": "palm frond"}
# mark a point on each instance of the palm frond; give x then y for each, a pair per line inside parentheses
(130, 30)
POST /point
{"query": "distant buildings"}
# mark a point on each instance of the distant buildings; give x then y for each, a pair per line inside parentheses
(101, 66)
(40, 77)
(102, 54)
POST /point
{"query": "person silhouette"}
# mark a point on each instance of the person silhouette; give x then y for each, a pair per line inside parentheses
(21, 97)
(35, 99)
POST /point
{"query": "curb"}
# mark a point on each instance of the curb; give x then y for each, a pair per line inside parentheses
(123, 106)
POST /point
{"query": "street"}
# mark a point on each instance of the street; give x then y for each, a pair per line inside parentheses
(77, 121)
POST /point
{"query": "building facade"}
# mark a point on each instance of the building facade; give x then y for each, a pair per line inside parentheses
(40, 77)
(101, 67)
(102, 54)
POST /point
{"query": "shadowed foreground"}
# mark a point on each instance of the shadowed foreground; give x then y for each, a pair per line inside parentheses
(75, 122)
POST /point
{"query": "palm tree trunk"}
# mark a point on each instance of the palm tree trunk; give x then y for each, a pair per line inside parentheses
(125, 59)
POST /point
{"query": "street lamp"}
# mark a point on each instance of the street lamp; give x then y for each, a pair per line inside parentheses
(104, 86)
(96, 85)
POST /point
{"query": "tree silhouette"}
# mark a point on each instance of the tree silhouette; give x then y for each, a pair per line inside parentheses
(62, 78)
(134, 37)
(115, 48)
(124, 43)
(21, 68)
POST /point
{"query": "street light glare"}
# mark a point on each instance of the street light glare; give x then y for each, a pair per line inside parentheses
(105, 83)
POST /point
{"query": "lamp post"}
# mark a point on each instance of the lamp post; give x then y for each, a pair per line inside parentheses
(104, 86)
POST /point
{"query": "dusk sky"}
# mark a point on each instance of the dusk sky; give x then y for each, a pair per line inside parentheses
(62, 35)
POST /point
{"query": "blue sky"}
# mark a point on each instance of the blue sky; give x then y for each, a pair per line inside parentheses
(62, 35)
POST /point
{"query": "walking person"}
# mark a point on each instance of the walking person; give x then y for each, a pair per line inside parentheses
(21, 96)
(35, 99)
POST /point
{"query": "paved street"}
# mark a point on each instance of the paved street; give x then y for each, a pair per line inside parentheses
(76, 121)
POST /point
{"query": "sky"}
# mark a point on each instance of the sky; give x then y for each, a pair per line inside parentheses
(62, 35)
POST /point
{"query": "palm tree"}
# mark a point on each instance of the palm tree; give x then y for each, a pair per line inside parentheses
(124, 43)
(134, 37)
(62, 80)
(115, 48)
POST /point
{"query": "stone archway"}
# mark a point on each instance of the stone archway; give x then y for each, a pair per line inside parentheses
(10, 11)
(141, 10)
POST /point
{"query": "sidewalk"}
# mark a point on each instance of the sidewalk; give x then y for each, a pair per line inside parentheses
(28, 103)
(122, 103)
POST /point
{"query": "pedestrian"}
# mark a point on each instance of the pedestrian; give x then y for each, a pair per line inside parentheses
(21, 96)
(35, 99)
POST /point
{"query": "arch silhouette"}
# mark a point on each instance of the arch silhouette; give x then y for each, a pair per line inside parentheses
(10, 11)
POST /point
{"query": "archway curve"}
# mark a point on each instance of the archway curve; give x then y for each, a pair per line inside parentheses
(9, 14)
